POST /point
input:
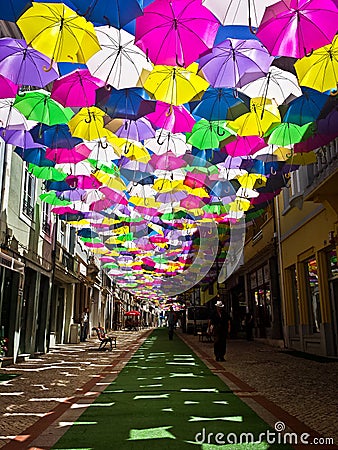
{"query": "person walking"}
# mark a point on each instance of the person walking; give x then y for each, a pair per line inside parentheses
(84, 324)
(220, 324)
(171, 322)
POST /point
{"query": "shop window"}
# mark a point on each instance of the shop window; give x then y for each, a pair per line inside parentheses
(46, 218)
(332, 263)
(311, 272)
(28, 194)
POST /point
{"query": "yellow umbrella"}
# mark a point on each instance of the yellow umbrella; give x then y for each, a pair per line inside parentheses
(175, 85)
(258, 121)
(134, 151)
(198, 192)
(110, 180)
(240, 204)
(148, 202)
(163, 185)
(249, 180)
(59, 32)
(302, 159)
(88, 124)
(319, 70)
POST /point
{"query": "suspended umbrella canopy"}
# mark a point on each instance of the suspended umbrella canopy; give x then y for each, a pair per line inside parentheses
(88, 124)
(176, 119)
(7, 88)
(137, 130)
(11, 117)
(319, 70)
(235, 62)
(57, 31)
(52, 199)
(221, 104)
(175, 85)
(20, 138)
(12, 9)
(56, 136)
(115, 13)
(297, 27)
(77, 88)
(66, 156)
(120, 62)
(39, 106)
(24, 65)
(46, 173)
(36, 156)
(175, 33)
(131, 103)
(244, 145)
(207, 134)
(288, 133)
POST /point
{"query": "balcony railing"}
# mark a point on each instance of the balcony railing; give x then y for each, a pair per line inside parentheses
(325, 157)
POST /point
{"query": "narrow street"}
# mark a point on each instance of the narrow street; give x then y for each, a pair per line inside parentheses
(170, 394)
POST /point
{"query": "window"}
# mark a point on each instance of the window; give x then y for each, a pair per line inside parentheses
(46, 221)
(311, 272)
(28, 200)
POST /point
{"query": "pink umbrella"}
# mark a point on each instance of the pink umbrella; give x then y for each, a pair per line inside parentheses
(65, 210)
(244, 145)
(192, 202)
(113, 195)
(100, 205)
(175, 33)
(167, 161)
(77, 88)
(151, 212)
(83, 182)
(7, 88)
(297, 27)
(172, 118)
(66, 155)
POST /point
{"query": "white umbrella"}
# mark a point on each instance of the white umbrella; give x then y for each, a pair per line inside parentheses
(277, 85)
(165, 141)
(11, 118)
(140, 190)
(102, 151)
(120, 63)
(238, 12)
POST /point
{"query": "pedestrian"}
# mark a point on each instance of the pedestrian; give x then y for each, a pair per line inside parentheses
(220, 324)
(249, 324)
(84, 324)
(171, 322)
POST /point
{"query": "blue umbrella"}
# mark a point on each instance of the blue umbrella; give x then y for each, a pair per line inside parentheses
(221, 104)
(116, 13)
(306, 108)
(131, 103)
(56, 136)
(11, 10)
(56, 185)
(87, 233)
(35, 156)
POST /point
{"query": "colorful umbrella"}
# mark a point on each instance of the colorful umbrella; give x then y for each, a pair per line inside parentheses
(235, 62)
(221, 104)
(167, 141)
(24, 65)
(58, 32)
(7, 88)
(115, 13)
(306, 108)
(137, 130)
(35, 156)
(175, 33)
(119, 63)
(288, 133)
(77, 88)
(20, 138)
(176, 119)
(39, 106)
(88, 124)
(207, 134)
(297, 27)
(12, 9)
(319, 70)
(175, 85)
(244, 145)
(46, 173)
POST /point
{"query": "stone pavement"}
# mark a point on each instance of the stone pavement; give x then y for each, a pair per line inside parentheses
(298, 392)
(301, 393)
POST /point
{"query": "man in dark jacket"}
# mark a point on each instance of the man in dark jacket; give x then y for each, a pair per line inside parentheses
(220, 324)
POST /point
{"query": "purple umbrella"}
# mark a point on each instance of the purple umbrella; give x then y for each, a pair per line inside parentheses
(297, 27)
(23, 65)
(235, 62)
(329, 125)
(175, 33)
(20, 138)
(138, 130)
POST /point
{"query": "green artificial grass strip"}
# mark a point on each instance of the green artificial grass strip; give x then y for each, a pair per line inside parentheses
(8, 376)
(166, 398)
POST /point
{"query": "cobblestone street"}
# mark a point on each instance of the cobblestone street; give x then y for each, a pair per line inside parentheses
(279, 387)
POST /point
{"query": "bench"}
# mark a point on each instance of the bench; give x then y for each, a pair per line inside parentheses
(203, 336)
(104, 338)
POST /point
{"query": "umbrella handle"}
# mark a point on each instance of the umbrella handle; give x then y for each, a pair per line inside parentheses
(333, 92)
(102, 145)
(49, 68)
(220, 132)
(272, 170)
(89, 119)
(289, 155)
(308, 54)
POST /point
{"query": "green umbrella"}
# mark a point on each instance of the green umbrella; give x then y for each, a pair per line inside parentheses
(112, 169)
(52, 199)
(110, 266)
(95, 240)
(216, 208)
(38, 106)
(125, 237)
(175, 215)
(46, 173)
(207, 134)
(289, 133)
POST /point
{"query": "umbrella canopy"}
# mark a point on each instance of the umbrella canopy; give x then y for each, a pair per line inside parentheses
(221, 104)
(12, 9)
(207, 134)
(24, 65)
(58, 32)
(137, 130)
(77, 88)
(167, 141)
(175, 85)
(319, 70)
(39, 106)
(235, 62)
(306, 108)
(88, 124)
(287, 134)
(116, 13)
(131, 103)
(7, 88)
(297, 27)
(120, 62)
(176, 119)
(175, 33)
(257, 122)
